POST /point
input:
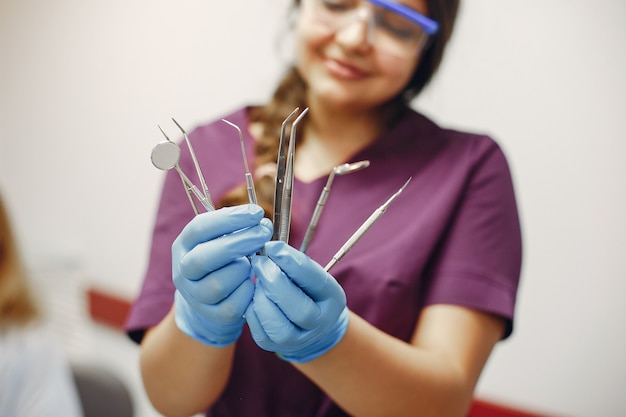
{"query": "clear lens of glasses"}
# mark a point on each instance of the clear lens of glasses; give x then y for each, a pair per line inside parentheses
(387, 30)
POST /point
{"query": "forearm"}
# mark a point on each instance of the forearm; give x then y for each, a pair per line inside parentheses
(370, 373)
(182, 376)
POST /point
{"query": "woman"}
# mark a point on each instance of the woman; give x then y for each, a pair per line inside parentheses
(35, 378)
(407, 320)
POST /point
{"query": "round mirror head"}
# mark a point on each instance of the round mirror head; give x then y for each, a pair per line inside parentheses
(165, 155)
(353, 167)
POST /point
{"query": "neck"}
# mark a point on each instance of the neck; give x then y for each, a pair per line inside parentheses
(332, 137)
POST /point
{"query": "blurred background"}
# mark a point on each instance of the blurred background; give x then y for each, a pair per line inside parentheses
(83, 85)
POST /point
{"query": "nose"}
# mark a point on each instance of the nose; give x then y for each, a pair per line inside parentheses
(358, 33)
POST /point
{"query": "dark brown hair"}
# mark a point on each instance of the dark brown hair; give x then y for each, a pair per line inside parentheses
(17, 306)
(291, 93)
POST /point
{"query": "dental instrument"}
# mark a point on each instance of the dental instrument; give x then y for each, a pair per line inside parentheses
(363, 228)
(249, 180)
(194, 206)
(166, 155)
(343, 169)
(195, 162)
(280, 174)
(286, 198)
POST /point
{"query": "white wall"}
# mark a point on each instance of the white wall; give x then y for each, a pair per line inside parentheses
(84, 84)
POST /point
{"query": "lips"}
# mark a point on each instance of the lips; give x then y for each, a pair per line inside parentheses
(342, 69)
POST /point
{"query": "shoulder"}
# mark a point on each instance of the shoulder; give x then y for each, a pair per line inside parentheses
(417, 143)
(419, 128)
(27, 346)
(33, 366)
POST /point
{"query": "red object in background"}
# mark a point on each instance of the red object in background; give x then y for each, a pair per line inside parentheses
(107, 308)
(482, 408)
(112, 310)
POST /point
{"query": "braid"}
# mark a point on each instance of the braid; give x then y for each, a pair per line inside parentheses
(289, 95)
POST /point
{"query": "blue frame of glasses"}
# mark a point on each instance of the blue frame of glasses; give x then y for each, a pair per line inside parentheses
(430, 26)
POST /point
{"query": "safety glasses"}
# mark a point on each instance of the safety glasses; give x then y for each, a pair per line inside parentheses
(390, 26)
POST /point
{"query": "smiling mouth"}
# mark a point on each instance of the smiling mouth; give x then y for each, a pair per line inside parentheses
(342, 70)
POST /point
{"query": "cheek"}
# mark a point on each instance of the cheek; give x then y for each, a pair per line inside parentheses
(399, 70)
(302, 55)
(308, 37)
(309, 42)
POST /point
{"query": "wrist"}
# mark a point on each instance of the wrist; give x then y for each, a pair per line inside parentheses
(322, 346)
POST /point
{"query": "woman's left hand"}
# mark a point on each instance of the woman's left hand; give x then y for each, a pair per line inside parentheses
(299, 310)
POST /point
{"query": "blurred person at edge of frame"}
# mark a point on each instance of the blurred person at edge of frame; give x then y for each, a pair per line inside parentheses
(404, 324)
(35, 376)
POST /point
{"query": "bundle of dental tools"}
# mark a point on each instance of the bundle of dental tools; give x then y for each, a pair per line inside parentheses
(166, 155)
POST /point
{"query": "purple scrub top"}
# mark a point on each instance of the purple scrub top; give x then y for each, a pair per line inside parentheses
(452, 237)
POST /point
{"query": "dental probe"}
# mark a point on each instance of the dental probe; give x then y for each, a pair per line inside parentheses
(363, 228)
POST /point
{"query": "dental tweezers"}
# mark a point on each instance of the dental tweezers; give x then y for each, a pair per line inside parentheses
(285, 178)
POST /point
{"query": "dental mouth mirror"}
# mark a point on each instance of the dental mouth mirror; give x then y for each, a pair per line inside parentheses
(165, 156)
(364, 228)
(343, 169)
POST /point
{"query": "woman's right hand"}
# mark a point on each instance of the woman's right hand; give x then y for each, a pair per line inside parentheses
(212, 273)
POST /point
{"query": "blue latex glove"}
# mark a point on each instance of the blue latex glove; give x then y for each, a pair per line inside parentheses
(299, 310)
(211, 272)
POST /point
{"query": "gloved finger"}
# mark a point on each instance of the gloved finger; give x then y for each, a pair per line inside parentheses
(306, 273)
(256, 329)
(214, 333)
(212, 255)
(295, 304)
(229, 310)
(278, 328)
(217, 285)
(213, 224)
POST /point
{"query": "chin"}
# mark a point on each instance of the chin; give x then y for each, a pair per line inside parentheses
(336, 93)
(343, 103)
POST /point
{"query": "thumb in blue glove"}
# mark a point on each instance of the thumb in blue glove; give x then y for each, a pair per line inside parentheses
(299, 310)
(211, 272)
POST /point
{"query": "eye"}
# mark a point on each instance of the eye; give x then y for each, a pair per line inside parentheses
(397, 26)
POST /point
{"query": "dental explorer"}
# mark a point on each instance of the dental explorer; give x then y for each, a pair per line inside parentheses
(363, 228)
(195, 162)
(249, 181)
